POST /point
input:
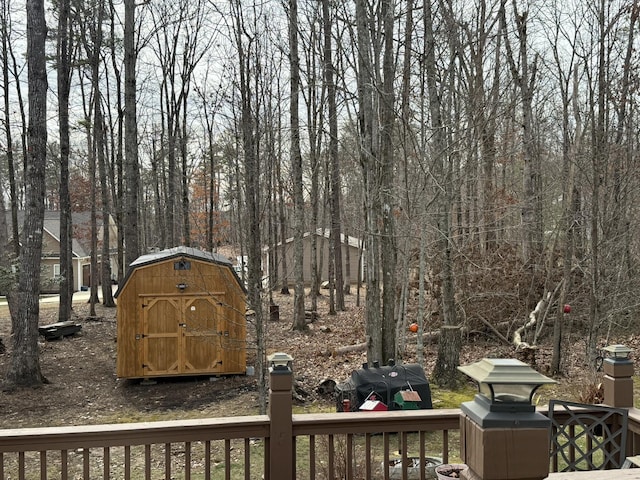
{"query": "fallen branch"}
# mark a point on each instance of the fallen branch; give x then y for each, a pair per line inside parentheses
(546, 310)
(494, 330)
(358, 347)
(361, 347)
(533, 318)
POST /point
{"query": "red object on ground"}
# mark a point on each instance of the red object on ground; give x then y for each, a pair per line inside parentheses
(567, 308)
(413, 327)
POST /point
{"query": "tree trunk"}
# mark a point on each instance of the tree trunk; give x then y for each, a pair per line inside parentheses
(347, 265)
(566, 221)
(117, 148)
(6, 45)
(24, 364)
(66, 283)
(284, 289)
(315, 127)
(336, 224)
(105, 264)
(6, 279)
(93, 228)
(388, 203)
(445, 372)
(184, 175)
(299, 322)
(524, 76)
(253, 208)
(368, 160)
(598, 165)
(131, 171)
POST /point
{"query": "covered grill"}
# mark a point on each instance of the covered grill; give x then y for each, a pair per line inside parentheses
(382, 383)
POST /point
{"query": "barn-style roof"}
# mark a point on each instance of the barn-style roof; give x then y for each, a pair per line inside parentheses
(179, 252)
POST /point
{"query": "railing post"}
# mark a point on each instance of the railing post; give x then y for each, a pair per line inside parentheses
(281, 425)
(618, 381)
(502, 436)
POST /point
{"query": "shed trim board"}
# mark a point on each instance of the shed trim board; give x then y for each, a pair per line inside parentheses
(191, 294)
(181, 312)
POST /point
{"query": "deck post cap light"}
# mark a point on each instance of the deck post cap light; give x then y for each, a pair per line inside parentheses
(617, 352)
(280, 361)
(505, 381)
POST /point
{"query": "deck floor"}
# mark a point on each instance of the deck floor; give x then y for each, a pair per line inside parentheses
(623, 474)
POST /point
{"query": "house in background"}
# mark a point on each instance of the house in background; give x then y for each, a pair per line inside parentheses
(350, 246)
(80, 247)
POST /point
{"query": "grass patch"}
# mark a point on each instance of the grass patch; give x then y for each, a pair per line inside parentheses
(443, 398)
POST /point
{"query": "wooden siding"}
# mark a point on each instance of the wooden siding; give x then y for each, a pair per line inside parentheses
(165, 329)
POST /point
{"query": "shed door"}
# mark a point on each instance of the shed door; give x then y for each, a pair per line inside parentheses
(202, 333)
(181, 335)
(161, 335)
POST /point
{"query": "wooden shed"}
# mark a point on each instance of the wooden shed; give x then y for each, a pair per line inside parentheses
(181, 311)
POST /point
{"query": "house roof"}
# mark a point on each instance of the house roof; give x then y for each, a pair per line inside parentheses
(326, 233)
(179, 252)
(81, 222)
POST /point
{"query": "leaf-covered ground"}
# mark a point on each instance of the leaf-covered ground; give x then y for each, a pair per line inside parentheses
(83, 388)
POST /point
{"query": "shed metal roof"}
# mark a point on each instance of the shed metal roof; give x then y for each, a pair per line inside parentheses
(179, 252)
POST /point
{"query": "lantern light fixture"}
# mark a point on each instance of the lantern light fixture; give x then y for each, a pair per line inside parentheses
(505, 385)
(617, 352)
(280, 362)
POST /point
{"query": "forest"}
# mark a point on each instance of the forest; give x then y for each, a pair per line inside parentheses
(484, 152)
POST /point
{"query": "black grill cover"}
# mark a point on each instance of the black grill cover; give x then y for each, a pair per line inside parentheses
(385, 382)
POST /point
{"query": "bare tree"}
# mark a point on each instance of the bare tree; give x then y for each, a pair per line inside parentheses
(245, 43)
(131, 170)
(87, 102)
(117, 148)
(6, 67)
(445, 372)
(24, 364)
(368, 158)
(65, 47)
(564, 78)
(524, 74)
(334, 161)
(388, 203)
(101, 146)
(299, 322)
(314, 95)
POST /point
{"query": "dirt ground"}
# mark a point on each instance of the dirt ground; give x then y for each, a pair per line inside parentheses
(83, 387)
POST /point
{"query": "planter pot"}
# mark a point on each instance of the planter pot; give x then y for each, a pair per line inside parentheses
(413, 468)
(448, 471)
